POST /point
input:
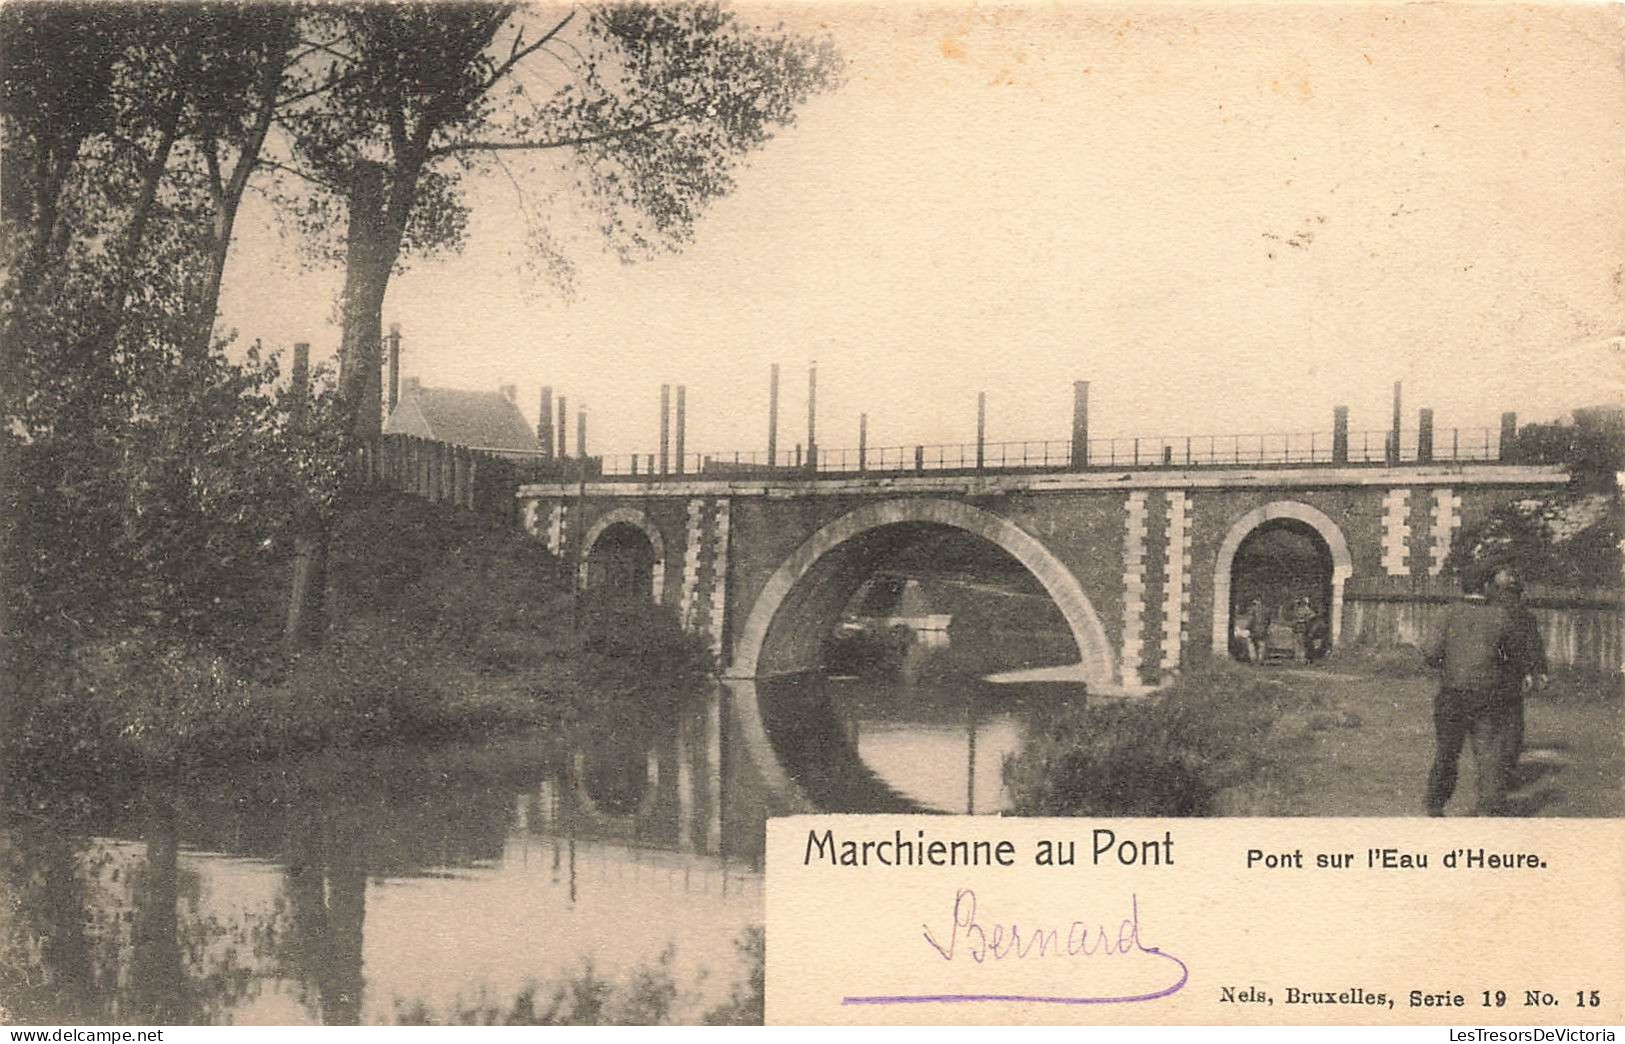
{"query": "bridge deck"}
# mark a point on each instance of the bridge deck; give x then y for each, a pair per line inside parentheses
(1280, 449)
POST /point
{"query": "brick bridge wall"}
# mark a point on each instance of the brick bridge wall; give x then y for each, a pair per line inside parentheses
(1132, 559)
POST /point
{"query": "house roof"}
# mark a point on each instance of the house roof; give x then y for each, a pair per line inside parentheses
(482, 420)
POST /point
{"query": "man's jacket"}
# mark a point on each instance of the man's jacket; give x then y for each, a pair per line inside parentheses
(1470, 646)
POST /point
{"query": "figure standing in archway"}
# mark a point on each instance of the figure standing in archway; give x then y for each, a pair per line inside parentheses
(1258, 629)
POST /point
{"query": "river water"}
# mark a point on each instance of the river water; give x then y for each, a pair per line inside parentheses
(366, 886)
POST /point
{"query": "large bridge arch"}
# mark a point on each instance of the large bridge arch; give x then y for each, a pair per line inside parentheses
(1058, 581)
(638, 520)
(1313, 517)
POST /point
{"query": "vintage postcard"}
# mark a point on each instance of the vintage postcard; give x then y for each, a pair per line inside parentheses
(815, 512)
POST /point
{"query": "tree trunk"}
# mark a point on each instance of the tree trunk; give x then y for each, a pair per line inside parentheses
(228, 192)
(372, 246)
(152, 175)
(370, 252)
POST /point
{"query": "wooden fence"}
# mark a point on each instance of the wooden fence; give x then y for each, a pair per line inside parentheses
(1584, 628)
(438, 471)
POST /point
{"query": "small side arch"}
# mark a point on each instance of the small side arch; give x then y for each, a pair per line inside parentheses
(1313, 517)
(628, 517)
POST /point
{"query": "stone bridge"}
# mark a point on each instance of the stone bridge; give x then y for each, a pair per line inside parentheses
(1139, 562)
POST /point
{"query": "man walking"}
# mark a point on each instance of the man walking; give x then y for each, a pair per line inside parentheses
(1472, 702)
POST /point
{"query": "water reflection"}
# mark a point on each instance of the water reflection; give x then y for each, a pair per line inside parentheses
(887, 744)
(330, 889)
(338, 888)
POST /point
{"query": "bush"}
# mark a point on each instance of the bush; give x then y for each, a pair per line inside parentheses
(748, 1003)
(1169, 754)
(1564, 539)
(643, 638)
(648, 996)
(447, 625)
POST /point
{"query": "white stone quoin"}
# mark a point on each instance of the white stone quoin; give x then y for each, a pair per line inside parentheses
(555, 529)
(691, 562)
(1176, 591)
(1446, 519)
(1396, 532)
(719, 576)
(1133, 589)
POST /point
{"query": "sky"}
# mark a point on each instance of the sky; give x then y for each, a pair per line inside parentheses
(1227, 219)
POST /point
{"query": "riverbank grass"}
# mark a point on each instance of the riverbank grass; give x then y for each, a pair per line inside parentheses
(1351, 738)
(1215, 739)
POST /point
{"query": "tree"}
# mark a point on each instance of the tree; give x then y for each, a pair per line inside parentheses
(1592, 448)
(1565, 538)
(243, 79)
(132, 133)
(658, 106)
(147, 467)
(56, 91)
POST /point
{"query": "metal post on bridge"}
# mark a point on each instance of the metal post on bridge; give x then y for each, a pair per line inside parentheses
(863, 442)
(981, 428)
(1393, 435)
(564, 407)
(665, 428)
(1424, 436)
(1080, 424)
(544, 426)
(581, 433)
(773, 416)
(919, 458)
(812, 417)
(1509, 438)
(682, 422)
(1340, 435)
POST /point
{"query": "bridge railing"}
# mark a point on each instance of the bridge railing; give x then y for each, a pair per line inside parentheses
(1450, 445)
(1259, 449)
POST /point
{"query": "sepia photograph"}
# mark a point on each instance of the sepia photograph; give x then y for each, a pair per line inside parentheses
(468, 466)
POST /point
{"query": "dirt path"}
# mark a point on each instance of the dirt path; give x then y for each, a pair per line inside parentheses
(1371, 742)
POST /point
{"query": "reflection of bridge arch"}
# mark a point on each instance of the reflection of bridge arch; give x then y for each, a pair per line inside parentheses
(619, 808)
(790, 581)
(637, 520)
(1314, 518)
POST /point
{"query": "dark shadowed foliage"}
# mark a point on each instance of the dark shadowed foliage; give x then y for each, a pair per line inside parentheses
(453, 625)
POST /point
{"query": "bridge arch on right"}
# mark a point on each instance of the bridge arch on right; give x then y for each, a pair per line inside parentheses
(1287, 521)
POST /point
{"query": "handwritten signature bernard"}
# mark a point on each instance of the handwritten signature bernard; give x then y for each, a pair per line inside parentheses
(968, 936)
